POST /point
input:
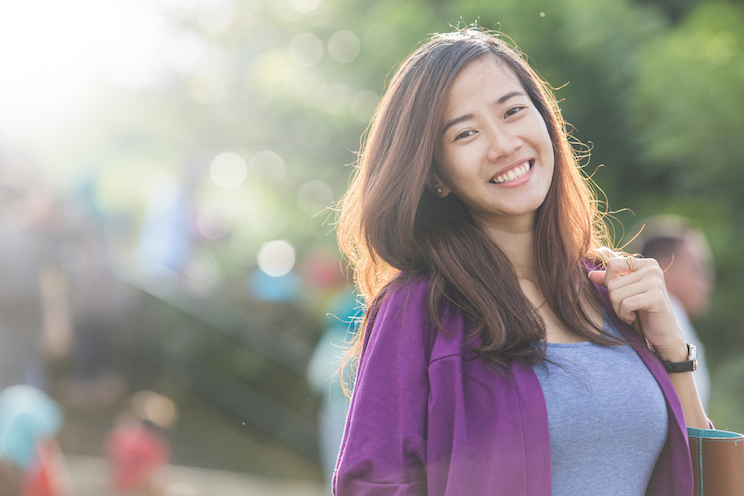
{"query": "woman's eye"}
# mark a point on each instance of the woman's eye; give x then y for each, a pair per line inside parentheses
(464, 134)
(513, 111)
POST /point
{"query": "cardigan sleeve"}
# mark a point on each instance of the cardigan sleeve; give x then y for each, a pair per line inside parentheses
(383, 451)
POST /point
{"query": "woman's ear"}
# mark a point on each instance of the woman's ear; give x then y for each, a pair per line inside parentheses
(437, 186)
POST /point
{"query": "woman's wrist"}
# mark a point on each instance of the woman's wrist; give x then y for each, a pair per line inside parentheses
(674, 353)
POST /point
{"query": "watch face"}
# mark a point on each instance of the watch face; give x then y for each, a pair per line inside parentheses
(692, 357)
(691, 352)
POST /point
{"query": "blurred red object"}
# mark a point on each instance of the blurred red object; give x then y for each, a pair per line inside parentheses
(137, 452)
(48, 475)
(320, 269)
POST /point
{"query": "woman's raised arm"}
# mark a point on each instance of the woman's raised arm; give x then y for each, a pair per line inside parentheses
(637, 291)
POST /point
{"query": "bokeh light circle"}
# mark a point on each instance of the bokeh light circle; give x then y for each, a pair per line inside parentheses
(344, 46)
(276, 258)
(228, 170)
(158, 409)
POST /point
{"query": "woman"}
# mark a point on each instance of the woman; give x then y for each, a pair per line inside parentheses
(496, 355)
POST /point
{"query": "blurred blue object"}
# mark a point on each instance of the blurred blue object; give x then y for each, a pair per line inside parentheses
(264, 287)
(343, 313)
(27, 415)
(165, 239)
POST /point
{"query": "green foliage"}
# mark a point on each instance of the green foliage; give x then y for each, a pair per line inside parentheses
(689, 99)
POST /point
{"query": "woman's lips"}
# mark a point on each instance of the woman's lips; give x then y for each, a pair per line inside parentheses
(513, 174)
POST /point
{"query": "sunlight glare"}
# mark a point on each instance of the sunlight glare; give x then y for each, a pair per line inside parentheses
(51, 54)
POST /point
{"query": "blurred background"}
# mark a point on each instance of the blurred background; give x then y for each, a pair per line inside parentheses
(168, 170)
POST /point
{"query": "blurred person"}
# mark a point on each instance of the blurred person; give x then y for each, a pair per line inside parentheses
(32, 289)
(497, 354)
(137, 447)
(683, 252)
(165, 239)
(169, 228)
(138, 453)
(31, 463)
(95, 307)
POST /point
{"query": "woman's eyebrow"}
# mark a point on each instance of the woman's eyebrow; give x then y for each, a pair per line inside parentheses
(509, 95)
(456, 120)
(466, 117)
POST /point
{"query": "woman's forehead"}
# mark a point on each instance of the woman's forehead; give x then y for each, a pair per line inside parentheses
(486, 76)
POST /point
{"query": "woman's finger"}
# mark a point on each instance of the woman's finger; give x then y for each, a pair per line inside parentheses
(633, 303)
(615, 268)
(597, 277)
(632, 285)
(637, 282)
(621, 266)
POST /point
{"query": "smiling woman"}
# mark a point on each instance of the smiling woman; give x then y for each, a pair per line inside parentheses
(497, 332)
(494, 141)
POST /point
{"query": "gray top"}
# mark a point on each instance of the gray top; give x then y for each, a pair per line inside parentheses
(607, 418)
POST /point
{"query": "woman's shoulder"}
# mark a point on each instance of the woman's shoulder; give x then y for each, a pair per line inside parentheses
(406, 290)
(404, 316)
(405, 300)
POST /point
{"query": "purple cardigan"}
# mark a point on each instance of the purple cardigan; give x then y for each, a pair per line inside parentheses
(428, 417)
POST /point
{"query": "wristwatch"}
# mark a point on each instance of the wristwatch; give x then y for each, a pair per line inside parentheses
(689, 365)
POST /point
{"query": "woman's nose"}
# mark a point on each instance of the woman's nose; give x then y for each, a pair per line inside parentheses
(503, 142)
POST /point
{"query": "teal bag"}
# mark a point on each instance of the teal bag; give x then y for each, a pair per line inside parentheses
(717, 462)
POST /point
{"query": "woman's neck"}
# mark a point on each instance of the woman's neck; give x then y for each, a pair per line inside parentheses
(517, 241)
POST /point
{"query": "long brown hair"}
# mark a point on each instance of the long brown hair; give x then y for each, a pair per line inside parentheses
(392, 225)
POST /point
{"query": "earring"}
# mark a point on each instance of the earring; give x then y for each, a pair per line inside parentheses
(439, 190)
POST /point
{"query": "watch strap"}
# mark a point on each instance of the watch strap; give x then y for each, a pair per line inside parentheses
(689, 365)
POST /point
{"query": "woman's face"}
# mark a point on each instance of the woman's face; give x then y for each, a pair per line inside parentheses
(494, 151)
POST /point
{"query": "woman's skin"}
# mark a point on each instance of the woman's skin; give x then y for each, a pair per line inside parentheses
(496, 155)
(491, 133)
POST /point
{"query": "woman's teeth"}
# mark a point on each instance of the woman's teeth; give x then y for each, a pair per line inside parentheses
(512, 174)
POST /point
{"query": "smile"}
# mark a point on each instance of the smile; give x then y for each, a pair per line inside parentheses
(512, 174)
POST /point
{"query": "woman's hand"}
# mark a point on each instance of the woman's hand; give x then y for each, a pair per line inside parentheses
(637, 291)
